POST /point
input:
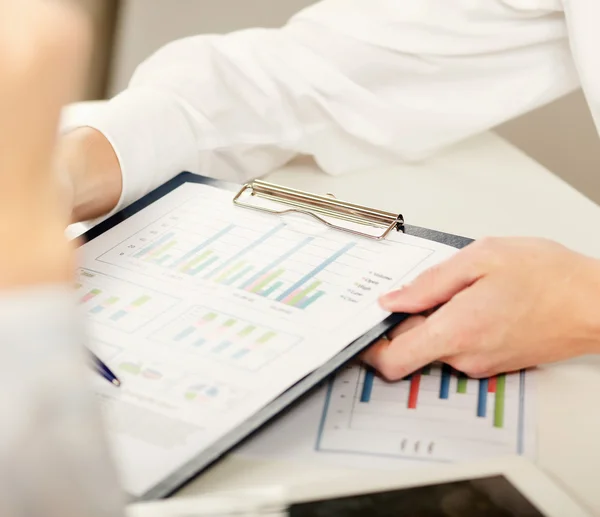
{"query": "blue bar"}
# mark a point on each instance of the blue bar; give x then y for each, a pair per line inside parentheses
(199, 342)
(200, 247)
(250, 246)
(316, 271)
(278, 261)
(241, 353)
(197, 270)
(445, 384)
(310, 299)
(271, 289)
(224, 345)
(482, 398)
(154, 245)
(97, 309)
(365, 395)
(118, 315)
(184, 333)
(237, 276)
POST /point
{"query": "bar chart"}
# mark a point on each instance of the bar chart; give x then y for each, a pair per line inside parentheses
(436, 414)
(118, 303)
(273, 260)
(228, 339)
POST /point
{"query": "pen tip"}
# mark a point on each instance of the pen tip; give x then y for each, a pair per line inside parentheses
(116, 382)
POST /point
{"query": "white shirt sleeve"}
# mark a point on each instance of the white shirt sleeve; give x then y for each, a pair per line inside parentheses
(53, 457)
(355, 84)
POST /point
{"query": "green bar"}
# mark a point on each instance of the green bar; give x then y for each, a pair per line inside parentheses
(112, 300)
(96, 292)
(230, 322)
(268, 336)
(162, 249)
(197, 260)
(248, 330)
(230, 271)
(499, 405)
(462, 383)
(210, 316)
(141, 301)
(268, 279)
(303, 294)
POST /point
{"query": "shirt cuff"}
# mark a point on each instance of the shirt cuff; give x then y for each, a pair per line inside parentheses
(151, 136)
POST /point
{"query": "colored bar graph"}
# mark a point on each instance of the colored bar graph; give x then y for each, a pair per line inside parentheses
(97, 309)
(413, 395)
(299, 295)
(229, 323)
(310, 300)
(482, 398)
(222, 347)
(156, 255)
(203, 245)
(462, 383)
(185, 333)
(258, 286)
(267, 292)
(247, 331)
(316, 271)
(492, 385)
(245, 250)
(268, 269)
(239, 276)
(195, 261)
(230, 272)
(241, 353)
(211, 316)
(202, 267)
(499, 402)
(156, 244)
(445, 382)
(118, 315)
(265, 338)
(367, 389)
(92, 294)
(142, 300)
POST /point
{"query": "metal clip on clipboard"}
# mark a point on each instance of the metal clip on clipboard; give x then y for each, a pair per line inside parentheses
(318, 207)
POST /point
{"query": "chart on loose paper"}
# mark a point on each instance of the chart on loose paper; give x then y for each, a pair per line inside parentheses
(207, 312)
(435, 414)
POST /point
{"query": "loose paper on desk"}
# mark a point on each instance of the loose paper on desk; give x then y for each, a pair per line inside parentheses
(207, 312)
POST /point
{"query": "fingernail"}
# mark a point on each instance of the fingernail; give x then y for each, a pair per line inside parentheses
(389, 298)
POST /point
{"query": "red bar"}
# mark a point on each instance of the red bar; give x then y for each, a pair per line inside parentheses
(492, 385)
(415, 382)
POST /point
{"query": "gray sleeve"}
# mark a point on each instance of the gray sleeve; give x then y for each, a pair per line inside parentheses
(54, 461)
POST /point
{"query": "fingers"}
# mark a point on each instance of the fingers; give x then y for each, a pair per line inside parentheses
(411, 348)
(438, 284)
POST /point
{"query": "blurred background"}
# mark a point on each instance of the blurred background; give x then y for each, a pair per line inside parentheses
(560, 136)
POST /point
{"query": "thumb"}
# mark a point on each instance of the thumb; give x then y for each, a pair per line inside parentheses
(438, 284)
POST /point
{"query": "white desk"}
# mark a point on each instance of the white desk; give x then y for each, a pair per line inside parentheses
(482, 187)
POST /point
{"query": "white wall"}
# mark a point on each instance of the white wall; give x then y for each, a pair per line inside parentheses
(560, 136)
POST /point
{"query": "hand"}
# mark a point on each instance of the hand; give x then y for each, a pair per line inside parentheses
(504, 304)
(43, 46)
(92, 176)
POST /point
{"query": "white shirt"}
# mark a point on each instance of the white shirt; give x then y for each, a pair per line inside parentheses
(354, 83)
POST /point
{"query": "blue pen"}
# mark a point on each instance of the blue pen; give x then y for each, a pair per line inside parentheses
(105, 371)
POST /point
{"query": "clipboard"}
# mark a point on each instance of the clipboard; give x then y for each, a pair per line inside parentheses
(326, 208)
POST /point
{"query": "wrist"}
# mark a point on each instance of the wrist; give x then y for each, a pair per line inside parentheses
(93, 171)
(591, 303)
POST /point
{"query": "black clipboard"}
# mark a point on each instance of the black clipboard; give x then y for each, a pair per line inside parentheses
(298, 391)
